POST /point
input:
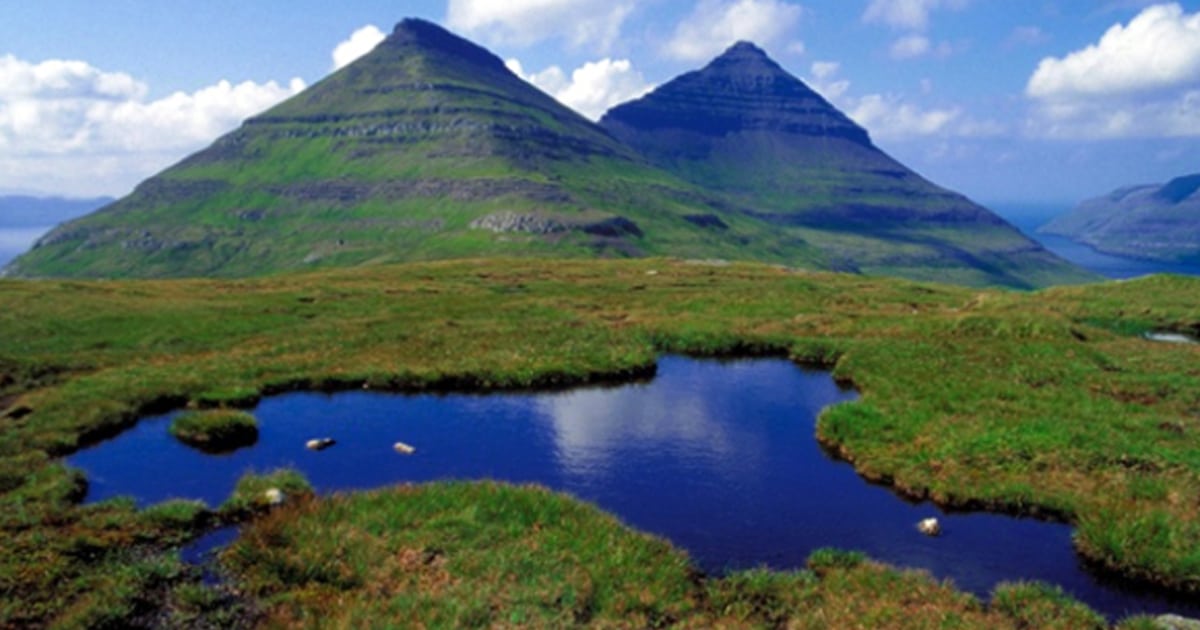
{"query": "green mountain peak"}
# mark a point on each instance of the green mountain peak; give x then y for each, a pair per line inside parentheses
(428, 147)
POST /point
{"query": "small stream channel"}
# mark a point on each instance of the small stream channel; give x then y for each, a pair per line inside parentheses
(717, 456)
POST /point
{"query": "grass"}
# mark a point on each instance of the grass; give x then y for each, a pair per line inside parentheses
(216, 430)
(1042, 403)
(479, 555)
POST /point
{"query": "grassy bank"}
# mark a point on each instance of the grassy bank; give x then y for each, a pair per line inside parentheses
(458, 555)
(1042, 403)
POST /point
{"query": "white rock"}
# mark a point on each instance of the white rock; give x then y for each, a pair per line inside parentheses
(274, 496)
(319, 444)
(929, 527)
(1175, 622)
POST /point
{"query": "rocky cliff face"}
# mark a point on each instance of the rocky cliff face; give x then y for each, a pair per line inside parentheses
(1155, 221)
(428, 147)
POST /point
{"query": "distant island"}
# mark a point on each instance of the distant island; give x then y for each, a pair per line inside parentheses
(1153, 221)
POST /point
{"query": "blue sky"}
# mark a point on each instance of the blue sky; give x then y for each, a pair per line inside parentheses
(1019, 100)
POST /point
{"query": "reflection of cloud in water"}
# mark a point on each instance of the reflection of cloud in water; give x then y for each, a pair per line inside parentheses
(593, 427)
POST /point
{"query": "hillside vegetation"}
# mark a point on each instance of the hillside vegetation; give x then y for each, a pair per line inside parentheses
(429, 148)
(1045, 403)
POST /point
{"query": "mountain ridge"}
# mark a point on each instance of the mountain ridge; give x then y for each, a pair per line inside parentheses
(429, 147)
(744, 127)
(1150, 221)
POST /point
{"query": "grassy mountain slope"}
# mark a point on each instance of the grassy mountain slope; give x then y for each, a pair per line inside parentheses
(428, 147)
(1158, 222)
(744, 127)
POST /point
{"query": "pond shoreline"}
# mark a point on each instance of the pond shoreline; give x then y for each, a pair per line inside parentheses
(645, 376)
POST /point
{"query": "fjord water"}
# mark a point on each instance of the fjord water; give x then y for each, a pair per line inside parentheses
(1028, 218)
(718, 457)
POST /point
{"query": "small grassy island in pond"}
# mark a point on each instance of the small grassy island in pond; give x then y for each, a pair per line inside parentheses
(216, 430)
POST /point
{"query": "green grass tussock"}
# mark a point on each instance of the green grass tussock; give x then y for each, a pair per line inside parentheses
(481, 555)
(217, 430)
(1046, 403)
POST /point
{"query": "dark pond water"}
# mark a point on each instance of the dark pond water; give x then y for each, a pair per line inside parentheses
(718, 457)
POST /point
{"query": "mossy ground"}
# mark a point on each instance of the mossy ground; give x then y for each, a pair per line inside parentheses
(1044, 402)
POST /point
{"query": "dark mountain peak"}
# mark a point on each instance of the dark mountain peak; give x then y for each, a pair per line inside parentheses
(747, 59)
(1180, 188)
(742, 90)
(425, 36)
(743, 51)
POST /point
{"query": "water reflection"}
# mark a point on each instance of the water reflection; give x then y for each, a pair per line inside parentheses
(595, 429)
(717, 457)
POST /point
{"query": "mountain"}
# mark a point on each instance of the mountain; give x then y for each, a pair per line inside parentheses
(745, 128)
(1155, 221)
(429, 148)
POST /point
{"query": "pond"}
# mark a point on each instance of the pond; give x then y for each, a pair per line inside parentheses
(717, 456)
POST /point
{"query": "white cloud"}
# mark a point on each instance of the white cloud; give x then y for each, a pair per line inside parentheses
(1139, 80)
(913, 46)
(1160, 48)
(715, 24)
(86, 131)
(361, 42)
(907, 14)
(1175, 117)
(595, 23)
(910, 46)
(890, 116)
(593, 88)
(822, 70)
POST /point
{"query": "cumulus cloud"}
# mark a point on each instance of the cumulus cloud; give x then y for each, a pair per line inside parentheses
(907, 14)
(595, 23)
(1159, 48)
(1140, 79)
(69, 124)
(716, 24)
(894, 117)
(361, 42)
(591, 89)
